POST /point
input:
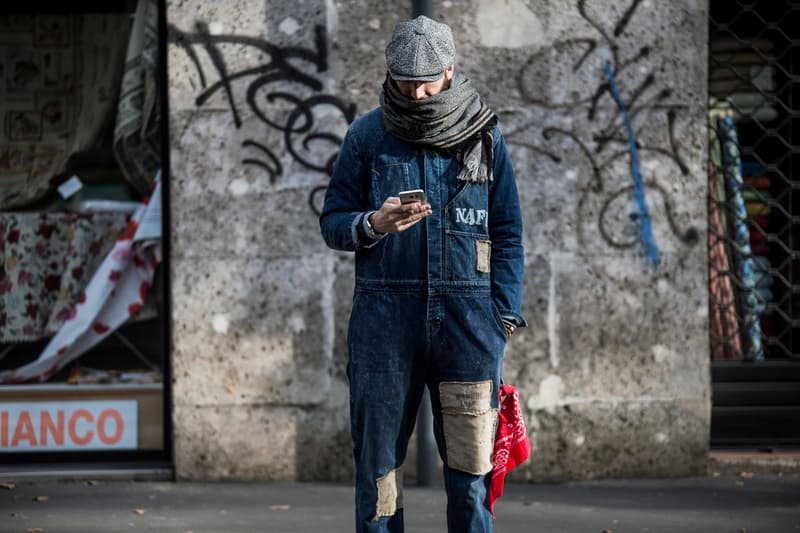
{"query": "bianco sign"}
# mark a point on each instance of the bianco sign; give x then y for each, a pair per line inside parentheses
(79, 425)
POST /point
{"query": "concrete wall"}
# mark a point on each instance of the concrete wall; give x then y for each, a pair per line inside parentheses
(613, 371)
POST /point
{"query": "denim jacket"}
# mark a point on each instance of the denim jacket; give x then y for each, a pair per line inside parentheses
(472, 243)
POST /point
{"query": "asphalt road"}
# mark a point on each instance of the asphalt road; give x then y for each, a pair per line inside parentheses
(726, 504)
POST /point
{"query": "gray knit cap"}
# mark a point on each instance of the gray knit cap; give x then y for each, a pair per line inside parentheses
(420, 50)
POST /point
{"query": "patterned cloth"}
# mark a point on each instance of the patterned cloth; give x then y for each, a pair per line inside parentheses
(137, 133)
(46, 261)
(726, 343)
(60, 90)
(115, 293)
(725, 336)
(749, 301)
(512, 446)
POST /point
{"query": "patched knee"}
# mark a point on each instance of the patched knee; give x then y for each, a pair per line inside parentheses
(468, 422)
(390, 493)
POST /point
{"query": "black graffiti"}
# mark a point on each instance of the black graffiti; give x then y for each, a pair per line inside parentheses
(623, 22)
(609, 140)
(273, 167)
(597, 184)
(308, 142)
(588, 197)
(592, 45)
(688, 237)
(674, 145)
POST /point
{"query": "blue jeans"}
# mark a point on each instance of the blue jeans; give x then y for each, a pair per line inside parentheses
(398, 344)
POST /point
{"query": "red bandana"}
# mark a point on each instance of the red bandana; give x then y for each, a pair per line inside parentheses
(511, 446)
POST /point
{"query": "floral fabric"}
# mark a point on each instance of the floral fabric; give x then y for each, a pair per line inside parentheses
(46, 261)
(116, 292)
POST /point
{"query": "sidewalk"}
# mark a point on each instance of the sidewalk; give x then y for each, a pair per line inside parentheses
(725, 504)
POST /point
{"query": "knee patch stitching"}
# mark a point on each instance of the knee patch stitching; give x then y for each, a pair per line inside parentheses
(390, 493)
(469, 424)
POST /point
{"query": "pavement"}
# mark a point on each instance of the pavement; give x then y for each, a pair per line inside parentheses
(747, 503)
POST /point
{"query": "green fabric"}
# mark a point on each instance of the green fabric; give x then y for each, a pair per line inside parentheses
(715, 156)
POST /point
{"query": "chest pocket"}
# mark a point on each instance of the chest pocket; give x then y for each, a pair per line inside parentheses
(388, 180)
(466, 224)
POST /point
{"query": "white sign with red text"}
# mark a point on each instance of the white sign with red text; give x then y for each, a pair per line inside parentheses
(80, 425)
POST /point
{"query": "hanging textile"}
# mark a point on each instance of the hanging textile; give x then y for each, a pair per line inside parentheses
(724, 324)
(512, 447)
(116, 292)
(748, 299)
(61, 86)
(46, 261)
(137, 133)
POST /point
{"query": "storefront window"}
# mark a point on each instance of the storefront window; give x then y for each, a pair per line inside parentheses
(82, 310)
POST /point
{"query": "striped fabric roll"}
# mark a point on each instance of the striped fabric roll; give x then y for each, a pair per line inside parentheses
(726, 343)
(749, 300)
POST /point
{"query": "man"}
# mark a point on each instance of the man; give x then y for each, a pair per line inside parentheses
(438, 282)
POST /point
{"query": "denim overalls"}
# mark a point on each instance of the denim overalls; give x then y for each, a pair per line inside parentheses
(427, 310)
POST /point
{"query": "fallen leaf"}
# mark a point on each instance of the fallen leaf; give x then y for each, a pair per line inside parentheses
(7, 486)
(41, 498)
(715, 474)
(92, 482)
(279, 507)
(34, 530)
(746, 474)
(139, 511)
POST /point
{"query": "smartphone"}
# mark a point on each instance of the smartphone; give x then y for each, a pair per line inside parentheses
(416, 195)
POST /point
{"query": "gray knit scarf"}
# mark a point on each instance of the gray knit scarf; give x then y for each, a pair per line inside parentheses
(454, 120)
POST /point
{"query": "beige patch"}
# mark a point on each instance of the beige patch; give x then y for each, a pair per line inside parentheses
(469, 424)
(484, 255)
(390, 493)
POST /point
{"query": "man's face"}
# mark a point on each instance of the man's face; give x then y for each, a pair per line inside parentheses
(417, 90)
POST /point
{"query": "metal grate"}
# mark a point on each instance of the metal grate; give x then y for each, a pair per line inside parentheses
(754, 175)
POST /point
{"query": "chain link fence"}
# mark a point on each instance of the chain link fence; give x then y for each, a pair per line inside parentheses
(754, 158)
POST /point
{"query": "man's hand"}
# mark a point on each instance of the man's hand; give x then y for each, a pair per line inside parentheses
(394, 217)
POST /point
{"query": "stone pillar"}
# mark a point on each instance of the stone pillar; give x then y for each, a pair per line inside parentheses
(253, 127)
(613, 370)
